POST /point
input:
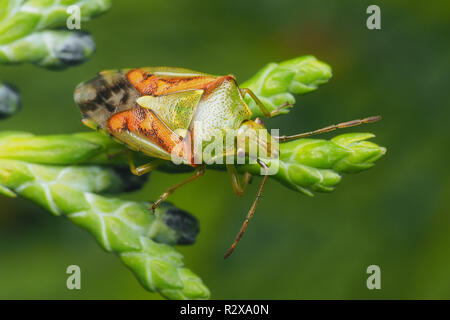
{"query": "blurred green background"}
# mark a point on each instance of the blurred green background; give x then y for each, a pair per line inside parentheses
(395, 215)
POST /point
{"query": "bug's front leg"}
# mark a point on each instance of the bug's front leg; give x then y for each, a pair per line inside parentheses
(238, 188)
(198, 173)
(262, 107)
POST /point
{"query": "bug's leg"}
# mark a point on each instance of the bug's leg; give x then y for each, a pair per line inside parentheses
(250, 213)
(198, 173)
(143, 169)
(114, 155)
(329, 128)
(237, 187)
(262, 107)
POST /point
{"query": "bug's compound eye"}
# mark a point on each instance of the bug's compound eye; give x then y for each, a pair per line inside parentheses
(259, 121)
(240, 153)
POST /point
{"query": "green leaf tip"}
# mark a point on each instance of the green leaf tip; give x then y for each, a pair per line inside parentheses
(316, 165)
(56, 149)
(311, 73)
(276, 83)
(26, 35)
(363, 155)
(53, 49)
(159, 267)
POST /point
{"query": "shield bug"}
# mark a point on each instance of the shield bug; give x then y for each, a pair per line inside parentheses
(160, 111)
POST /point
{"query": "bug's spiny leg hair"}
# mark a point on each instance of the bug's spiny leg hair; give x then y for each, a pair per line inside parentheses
(262, 107)
(250, 213)
(330, 128)
(238, 188)
(198, 173)
(143, 169)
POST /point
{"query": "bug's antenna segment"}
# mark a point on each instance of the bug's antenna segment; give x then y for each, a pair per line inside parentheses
(330, 128)
(250, 213)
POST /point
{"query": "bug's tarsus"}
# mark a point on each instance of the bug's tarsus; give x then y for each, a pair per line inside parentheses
(286, 105)
(198, 173)
(238, 187)
(250, 213)
(262, 107)
(333, 127)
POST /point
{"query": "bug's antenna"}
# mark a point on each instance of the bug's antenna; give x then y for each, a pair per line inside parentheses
(330, 128)
(250, 213)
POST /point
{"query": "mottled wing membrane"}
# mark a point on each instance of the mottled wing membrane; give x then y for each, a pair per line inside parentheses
(176, 109)
(105, 95)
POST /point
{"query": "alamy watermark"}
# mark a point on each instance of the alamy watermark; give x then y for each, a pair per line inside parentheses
(74, 280)
(374, 280)
(373, 22)
(73, 21)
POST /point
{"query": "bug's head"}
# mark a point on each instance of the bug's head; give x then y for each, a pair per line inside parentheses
(254, 141)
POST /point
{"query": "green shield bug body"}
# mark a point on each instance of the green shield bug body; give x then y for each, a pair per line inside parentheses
(169, 113)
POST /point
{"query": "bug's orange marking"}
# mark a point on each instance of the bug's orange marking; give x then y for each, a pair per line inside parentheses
(144, 123)
(156, 85)
(211, 86)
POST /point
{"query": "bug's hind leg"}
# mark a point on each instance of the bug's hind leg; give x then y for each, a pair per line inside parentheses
(330, 128)
(143, 169)
(238, 188)
(198, 173)
(262, 107)
(250, 213)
